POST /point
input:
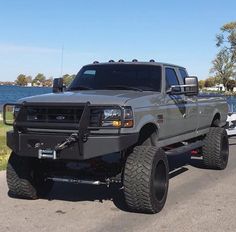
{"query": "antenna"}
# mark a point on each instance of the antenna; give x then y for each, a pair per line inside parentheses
(62, 54)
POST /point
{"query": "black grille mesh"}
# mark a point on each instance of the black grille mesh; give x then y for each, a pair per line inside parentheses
(53, 115)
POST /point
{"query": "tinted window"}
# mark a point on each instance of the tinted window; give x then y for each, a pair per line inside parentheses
(118, 76)
(171, 78)
(183, 73)
(90, 72)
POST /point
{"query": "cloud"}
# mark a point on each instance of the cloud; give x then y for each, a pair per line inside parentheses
(13, 48)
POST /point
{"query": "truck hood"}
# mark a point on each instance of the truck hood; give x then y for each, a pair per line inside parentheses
(101, 97)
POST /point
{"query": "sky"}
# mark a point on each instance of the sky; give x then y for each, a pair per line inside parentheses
(34, 33)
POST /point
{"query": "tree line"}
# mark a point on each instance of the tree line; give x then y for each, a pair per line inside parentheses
(224, 64)
(41, 80)
(212, 81)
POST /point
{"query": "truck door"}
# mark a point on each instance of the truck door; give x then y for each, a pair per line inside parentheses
(175, 113)
(191, 119)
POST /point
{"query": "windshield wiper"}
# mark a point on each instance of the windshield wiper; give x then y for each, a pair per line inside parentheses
(123, 87)
(81, 87)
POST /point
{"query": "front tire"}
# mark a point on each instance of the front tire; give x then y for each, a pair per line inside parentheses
(146, 179)
(25, 178)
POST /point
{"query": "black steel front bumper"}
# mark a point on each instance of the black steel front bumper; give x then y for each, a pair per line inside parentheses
(29, 144)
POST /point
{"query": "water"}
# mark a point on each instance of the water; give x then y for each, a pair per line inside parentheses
(10, 94)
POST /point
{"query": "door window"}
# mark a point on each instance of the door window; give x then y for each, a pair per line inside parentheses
(171, 78)
(183, 74)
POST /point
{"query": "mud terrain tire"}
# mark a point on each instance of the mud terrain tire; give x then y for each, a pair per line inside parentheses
(25, 179)
(146, 179)
(216, 149)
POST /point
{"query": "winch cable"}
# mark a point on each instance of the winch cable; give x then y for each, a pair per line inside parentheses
(74, 137)
(81, 135)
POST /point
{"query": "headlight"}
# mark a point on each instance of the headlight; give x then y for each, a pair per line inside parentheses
(112, 117)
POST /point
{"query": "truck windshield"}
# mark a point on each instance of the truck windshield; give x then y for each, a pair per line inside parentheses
(133, 77)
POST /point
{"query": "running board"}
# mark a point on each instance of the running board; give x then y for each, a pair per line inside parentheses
(76, 181)
(185, 148)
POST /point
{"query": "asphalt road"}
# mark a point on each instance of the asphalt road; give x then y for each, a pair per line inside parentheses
(198, 200)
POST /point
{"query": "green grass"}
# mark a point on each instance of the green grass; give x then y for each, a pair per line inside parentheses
(4, 150)
(9, 117)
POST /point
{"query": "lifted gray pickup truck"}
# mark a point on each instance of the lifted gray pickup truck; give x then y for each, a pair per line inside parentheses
(116, 123)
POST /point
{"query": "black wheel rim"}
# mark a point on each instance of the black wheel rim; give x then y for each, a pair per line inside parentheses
(225, 149)
(160, 180)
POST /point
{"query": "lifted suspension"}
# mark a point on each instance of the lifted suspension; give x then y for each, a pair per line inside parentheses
(106, 182)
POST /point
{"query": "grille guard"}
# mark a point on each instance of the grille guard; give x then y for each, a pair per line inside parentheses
(20, 121)
(85, 143)
(84, 122)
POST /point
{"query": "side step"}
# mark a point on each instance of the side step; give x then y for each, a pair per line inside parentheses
(185, 148)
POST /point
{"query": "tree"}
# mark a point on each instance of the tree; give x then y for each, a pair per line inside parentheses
(39, 79)
(67, 79)
(227, 39)
(21, 80)
(223, 66)
(201, 84)
(48, 82)
(230, 85)
(29, 79)
(73, 76)
(210, 82)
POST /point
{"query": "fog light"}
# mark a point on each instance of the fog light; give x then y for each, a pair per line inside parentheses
(116, 123)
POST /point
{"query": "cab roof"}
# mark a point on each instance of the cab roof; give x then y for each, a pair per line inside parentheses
(135, 63)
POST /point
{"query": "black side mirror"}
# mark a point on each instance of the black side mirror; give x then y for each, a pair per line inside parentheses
(58, 85)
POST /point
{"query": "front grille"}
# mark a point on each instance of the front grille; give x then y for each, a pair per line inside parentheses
(53, 115)
(96, 117)
(59, 117)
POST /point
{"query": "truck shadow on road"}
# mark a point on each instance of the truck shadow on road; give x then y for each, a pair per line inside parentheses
(72, 192)
(83, 193)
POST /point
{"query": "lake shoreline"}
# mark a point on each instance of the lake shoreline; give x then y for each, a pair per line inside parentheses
(11, 94)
